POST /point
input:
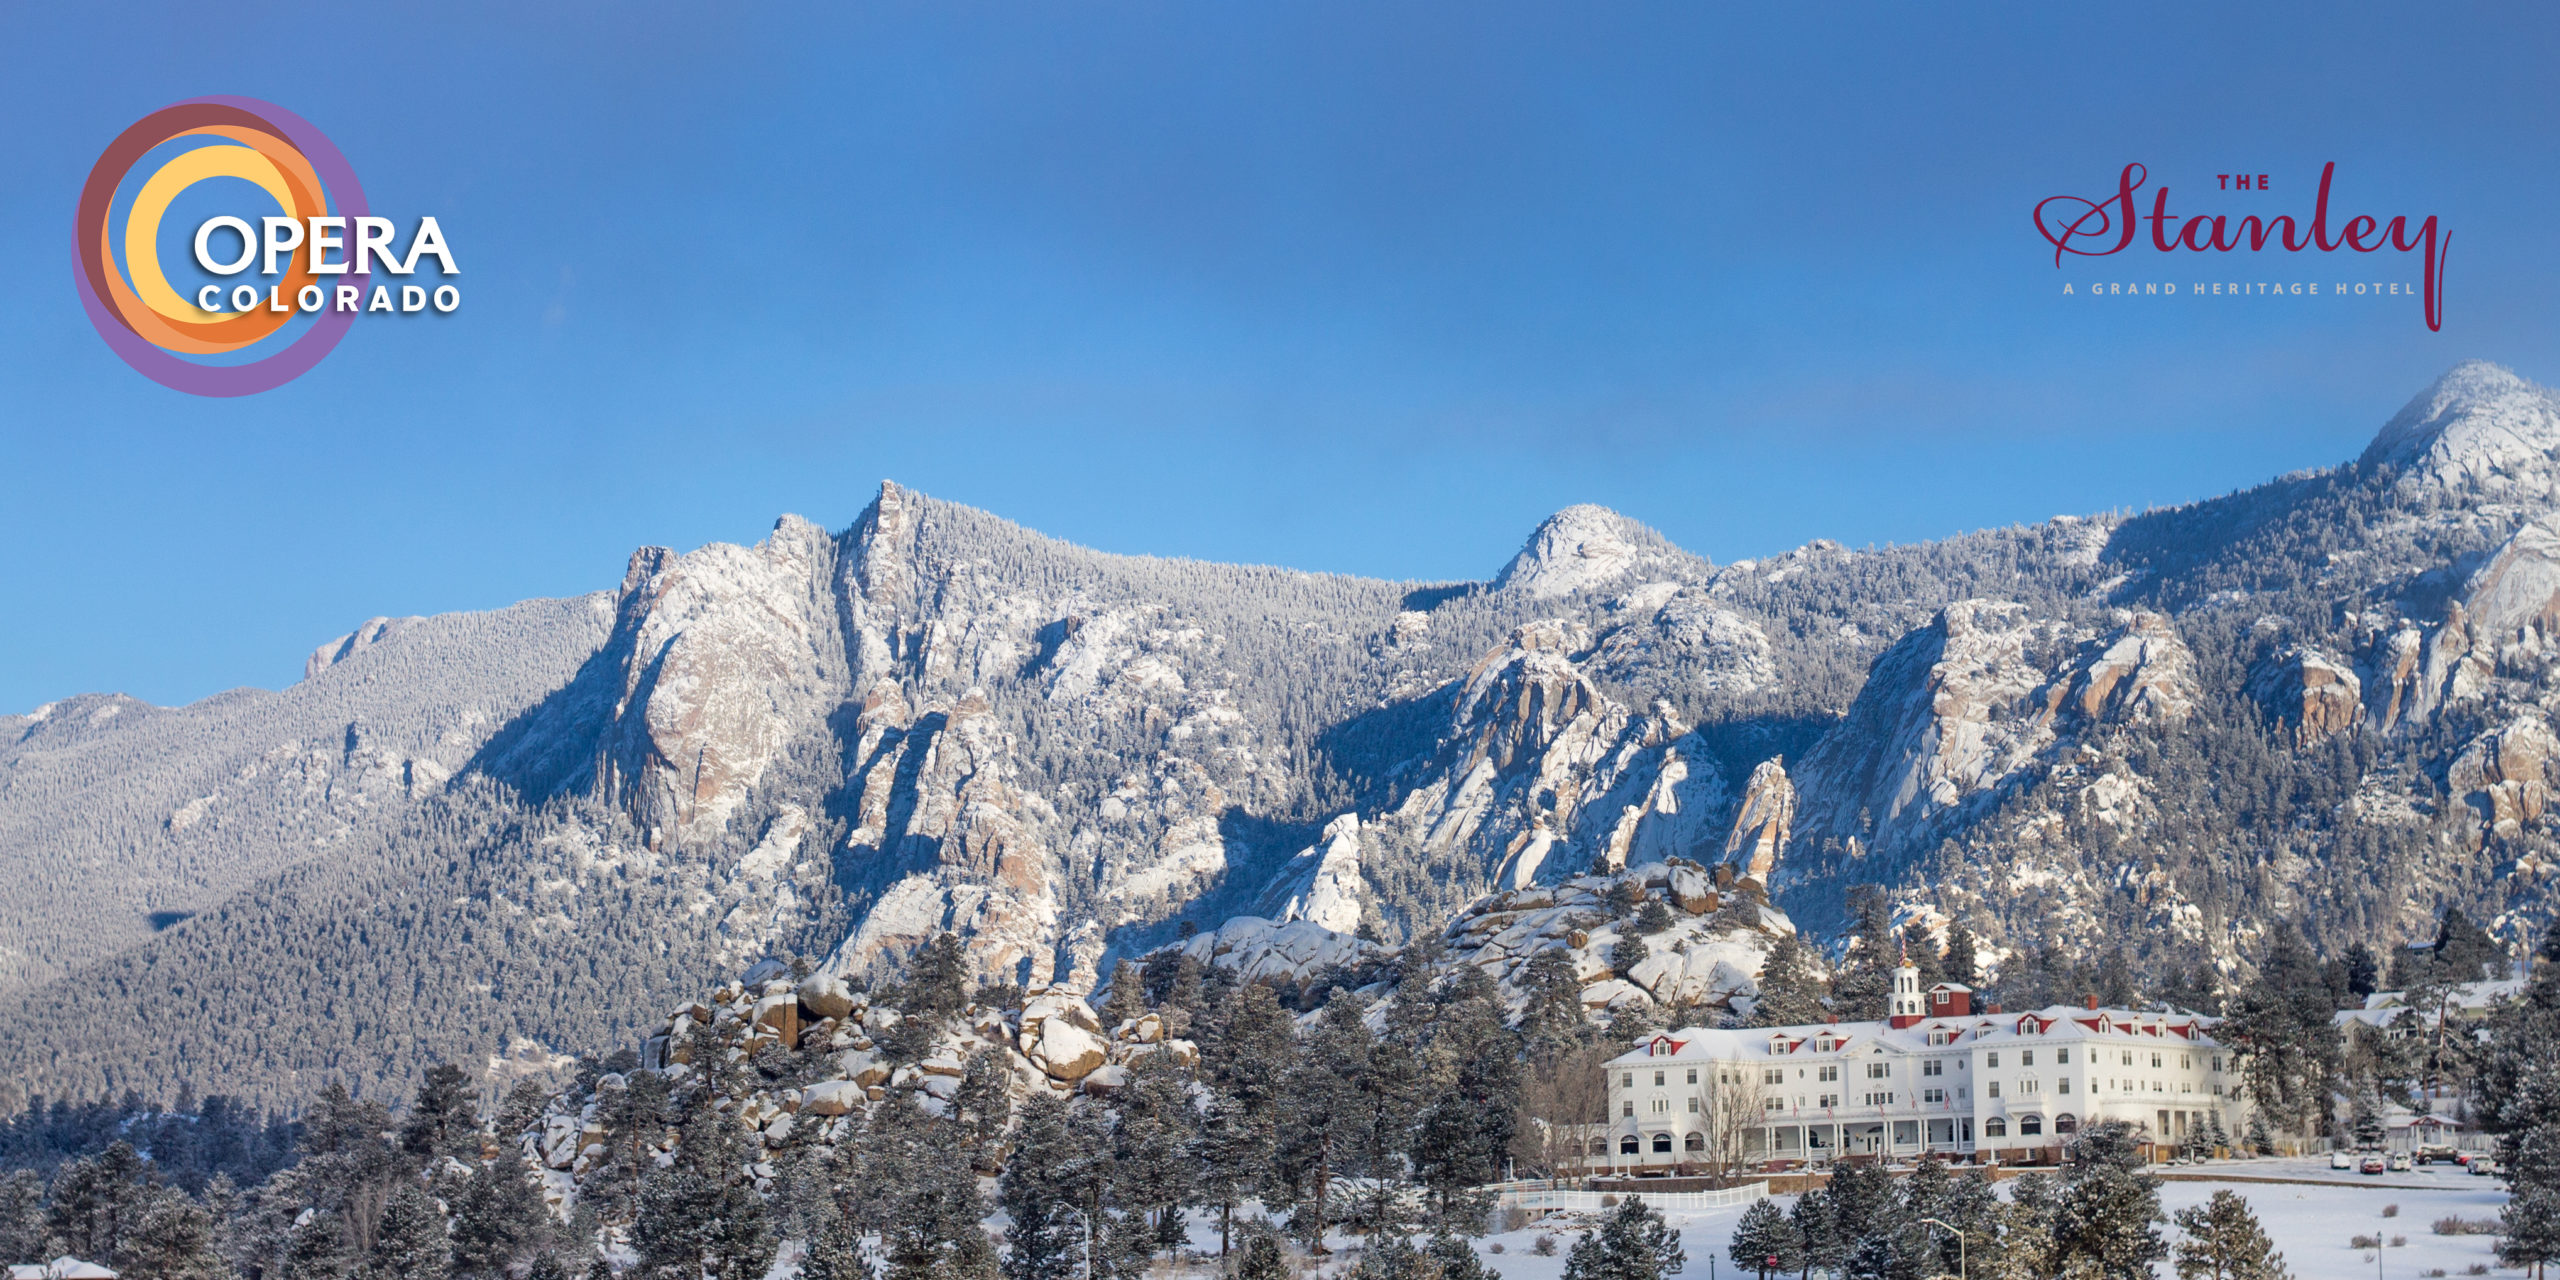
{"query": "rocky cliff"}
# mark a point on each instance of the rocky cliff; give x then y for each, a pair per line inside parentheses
(2323, 703)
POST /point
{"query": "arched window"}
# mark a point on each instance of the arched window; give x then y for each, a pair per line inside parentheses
(1662, 1144)
(2030, 1126)
(1627, 1146)
(1695, 1142)
(2066, 1123)
(1995, 1127)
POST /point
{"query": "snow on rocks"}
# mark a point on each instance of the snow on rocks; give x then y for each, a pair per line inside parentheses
(1064, 1050)
(1259, 948)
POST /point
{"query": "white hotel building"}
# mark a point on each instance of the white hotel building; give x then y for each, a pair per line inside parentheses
(1937, 1076)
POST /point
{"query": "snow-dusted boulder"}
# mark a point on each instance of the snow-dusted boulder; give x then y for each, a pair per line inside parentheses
(1059, 1006)
(826, 995)
(1063, 1050)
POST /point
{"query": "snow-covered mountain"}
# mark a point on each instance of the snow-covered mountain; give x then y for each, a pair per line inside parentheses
(2323, 702)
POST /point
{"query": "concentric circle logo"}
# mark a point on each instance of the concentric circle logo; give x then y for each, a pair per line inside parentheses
(118, 243)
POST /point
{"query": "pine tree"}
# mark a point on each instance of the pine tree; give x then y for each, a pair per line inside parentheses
(410, 1242)
(22, 1225)
(2530, 1229)
(316, 1249)
(1825, 1242)
(2364, 971)
(1959, 964)
(1128, 996)
(548, 1266)
(499, 1217)
(2225, 1242)
(1789, 993)
(96, 1202)
(1551, 1020)
(1654, 916)
(1626, 953)
(2109, 1207)
(1632, 1244)
(1766, 1242)
(938, 978)
(2365, 1118)
(442, 1120)
(1232, 1154)
(836, 1254)
(2261, 1142)
(983, 1104)
(1262, 1256)
(1457, 1259)
(1041, 1236)
(1324, 1125)
(1151, 1147)
(1395, 1258)
(175, 1239)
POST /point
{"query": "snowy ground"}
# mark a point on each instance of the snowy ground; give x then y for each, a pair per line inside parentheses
(2311, 1224)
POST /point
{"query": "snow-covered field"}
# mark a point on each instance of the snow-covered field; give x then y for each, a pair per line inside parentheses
(2311, 1224)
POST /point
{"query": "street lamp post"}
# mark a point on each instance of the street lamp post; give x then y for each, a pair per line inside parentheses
(1963, 1271)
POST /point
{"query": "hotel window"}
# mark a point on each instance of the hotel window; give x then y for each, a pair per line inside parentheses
(2062, 1056)
(1773, 1075)
(1993, 1060)
(1626, 1108)
(2065, 1085)
(2186, 1062)
(1933, 1095)
(2026, 1057)
(1693, 1075)
(1994, 1088)
(2217, 1062)
(1933, 1067)
(1693, 1106)
(1879, 1071)
(1661, 1105)
(1831, 1072)
(1627, 1081)
(2128, 1057)
(2155, 1060)
(1831, 1099)
(1776, 1104)
(2027, 1085)
(1657, 1079)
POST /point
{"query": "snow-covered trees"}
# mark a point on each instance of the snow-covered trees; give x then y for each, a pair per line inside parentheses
(1632, 1243)
(1790, 993)
(2520, 1079)
(1766, 1242)
(2224, 1242)
(2109, 1206)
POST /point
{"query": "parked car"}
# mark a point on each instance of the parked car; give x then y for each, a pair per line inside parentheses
(2399, 1162)
(2372, 1164)
(2483, 1167)
(2341, 1160)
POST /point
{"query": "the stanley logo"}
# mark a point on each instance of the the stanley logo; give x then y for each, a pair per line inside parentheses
(2077, 226)
(251, 195)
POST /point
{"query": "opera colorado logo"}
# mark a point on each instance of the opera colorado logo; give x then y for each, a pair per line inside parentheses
(224, 246)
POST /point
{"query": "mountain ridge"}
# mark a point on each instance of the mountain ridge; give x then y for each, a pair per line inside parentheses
(2318, 704)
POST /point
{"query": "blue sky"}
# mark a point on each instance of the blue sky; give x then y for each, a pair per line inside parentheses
(1358, 287)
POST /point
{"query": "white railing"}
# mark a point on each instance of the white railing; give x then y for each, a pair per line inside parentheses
(1531, 1196)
